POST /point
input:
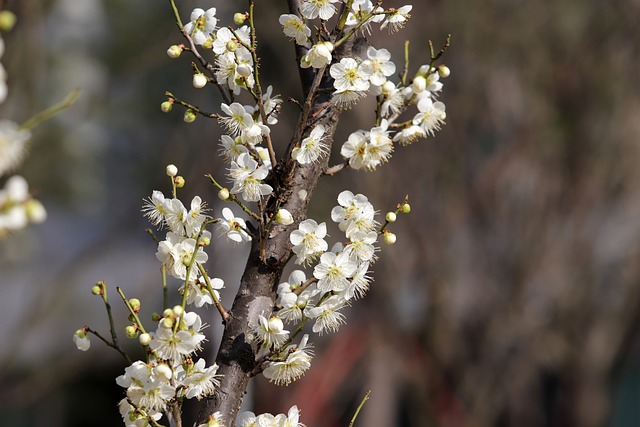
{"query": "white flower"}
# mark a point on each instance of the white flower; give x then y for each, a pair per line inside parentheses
(380, 145)
(355, 150)
(378, 66)
(13, 145)
(133, 417)
(232, 147)
(238, 120)
(362, 246)
(248, 178)
(396, 20)
(176, 252)
(81, 340)
(296, 362)
(324, 9)
(199, 293)
(349, 75)
(333, 271)
(294, 27)
(234, 228)
(200, 381)
(145, 388)
(195, 217)
(354, 214)
(327, 315)
(308, 240)
(201, 25)
(284, 217)
(271, 332)
(359, 284)
(431, 115)
(225, 39)
(393, 100)
(409, 135)
(318, 56)
(312, 147)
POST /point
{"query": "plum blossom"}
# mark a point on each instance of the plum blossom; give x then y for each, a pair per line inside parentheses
(312, 147)
(201, 25)
(308, 240)
(294, 27)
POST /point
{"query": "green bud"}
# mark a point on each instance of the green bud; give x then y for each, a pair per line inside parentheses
(239, 18)
(405, 208)
(391, 217)
(232, 45)
(179, 181)
(167, 323)
(131, 331)
(190, 116)
(7, 20)
(167, 106)
(174, 51)
(204, 241)
(135, 304)
(81, 333)
(208, 43)
(96, 290)
(444, 71)
(167, 312)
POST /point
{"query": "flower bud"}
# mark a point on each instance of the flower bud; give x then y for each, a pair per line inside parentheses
(239, 18)
(7, 20)
(178, 310)
(174, 51)
(391, 217)
(204, 241)
(190, 116)
(405, 208)
(199, 80)
(275, 324)
(232, 45)
(244, 70)
(179, 181)
(444, 71)
(97, 290)
(389, 238)
(223, 194)
(135, 304)
(163, 370)
(81, 333)
(131, 331)
(167, 312)
(155, 317)
(329, 46)
(167, 323)
(172, 170)
(35, 211)
(388, 87)
(208, 43)
(419, 84)
(284, 217)
(144, 339)
(166, 106)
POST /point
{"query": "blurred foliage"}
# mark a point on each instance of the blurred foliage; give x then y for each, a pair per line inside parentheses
(512, 297)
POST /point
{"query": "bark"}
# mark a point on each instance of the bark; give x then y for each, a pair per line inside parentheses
(293, 186)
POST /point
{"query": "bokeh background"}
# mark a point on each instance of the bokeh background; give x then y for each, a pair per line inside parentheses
(512, 297)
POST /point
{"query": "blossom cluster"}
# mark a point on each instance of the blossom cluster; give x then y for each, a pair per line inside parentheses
(339, 276)
(17, 207)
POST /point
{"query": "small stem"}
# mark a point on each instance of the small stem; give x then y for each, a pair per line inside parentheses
(67, 102)
(131, 310)
(233, 198)
(216, 301)
(405, 70)
(165, 291)
(336, 168)
(192, 107)
(110, 344)
(364, 400)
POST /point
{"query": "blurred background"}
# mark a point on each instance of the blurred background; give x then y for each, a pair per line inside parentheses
(512, 297)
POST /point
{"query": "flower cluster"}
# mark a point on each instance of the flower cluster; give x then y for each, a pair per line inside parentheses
(291, 419)
(17, 207)
(340, 275)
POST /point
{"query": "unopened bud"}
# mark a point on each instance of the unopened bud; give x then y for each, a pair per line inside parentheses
(275, 324)
(178, 310)
(144, 339)
(239, 18)
(174, 51)
(329, 46)
(167, 106)
(388, 87)
(405, 208)
(35, 211)
(444, 71)
(244, 70)
(190, 116)
(167, 323)
(389, 238)
(391, 217)
(155, 317)
(199, 80)
(167, 312)
(284, 217)
(135, 304)
(172, 170)
(208, 43)
(96, 290)
(223, 194)
(419, 84)
(131, 331)
(232, 45)
(179, 181)
(7, 20)
(165, 371)
(204, 241)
